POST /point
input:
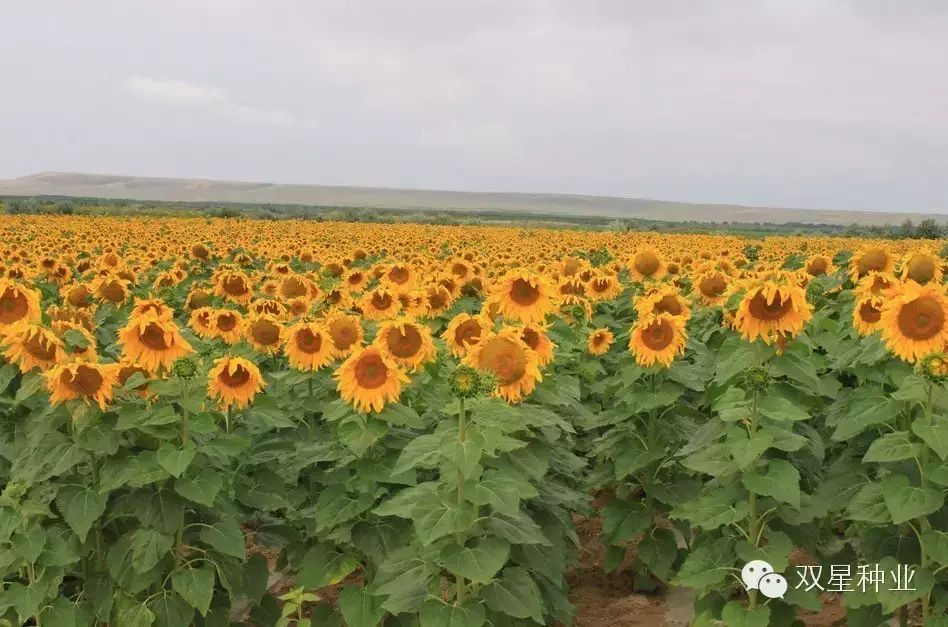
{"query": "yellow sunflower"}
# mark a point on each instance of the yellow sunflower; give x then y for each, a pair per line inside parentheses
(646, 263)
(18, 304)
(380, 304)
(406, 343)
(867, 315)
(514, 365)
(818, 265)
(921, 267)
(227, 324)
(463, 332)
(233, 286)
(662, 299)
(602, 286)
(152, 342)
(524, 296)
(368, 379)
(770, 310)
(657, 338)
(233, 382)
(32, 345)
(88, 381)
(870, 258)
(599, 341)
(111, 288)
(200, 322)
(263, 331)
(915, 322)
(711, 287)
(154, 306)
(86, 353)
(539, 342)
(307, 346)
(345, 332)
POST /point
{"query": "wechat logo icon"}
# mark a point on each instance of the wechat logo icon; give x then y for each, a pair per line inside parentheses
(759, 575)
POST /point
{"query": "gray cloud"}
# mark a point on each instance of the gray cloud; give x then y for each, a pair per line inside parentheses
(814, 103)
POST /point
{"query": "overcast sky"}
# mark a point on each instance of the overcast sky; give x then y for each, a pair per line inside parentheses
(797, 103)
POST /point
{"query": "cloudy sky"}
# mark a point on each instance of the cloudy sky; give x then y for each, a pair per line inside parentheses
(799, 103)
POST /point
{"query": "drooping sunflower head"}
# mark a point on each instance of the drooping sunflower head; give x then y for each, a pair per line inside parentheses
(400, 276)
(263, 331)
(602, 286)
(505, 356)
(921, 267)
(152, 342)
(867, 315)
(818, 265)
(770, 311)
(711, 287)
(463, 332)
(877, 285)
(227, 325)
(915, 322)
(380, 304)
(294, 286)
(268, 306)
(18, 303)
(31, 345)
(156, 306)
(524, 296)
(368, 379)
(233, 382)
(84, 380)
(111, 288)
(663, 299)
(438, 299)
(647, 263)
(78, 295)
(356, 280)
(535, 337)
(345, 332)
(233, 286)
(658, 338)
(599, 341)
(308, 346)
(405, 342)
(870, 258)
(78, 342)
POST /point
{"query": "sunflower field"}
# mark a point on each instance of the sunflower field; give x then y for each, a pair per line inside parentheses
(403, 421)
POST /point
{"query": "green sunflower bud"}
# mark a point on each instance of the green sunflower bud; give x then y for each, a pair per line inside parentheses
(934, 367)
(465, 382)
(185, 368)
(757, 379)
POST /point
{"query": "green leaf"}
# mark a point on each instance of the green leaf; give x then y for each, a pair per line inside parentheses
(422, 452)
(936, 545)
(467, 454)
(467, 614)
(868, 505)
(658, 550)
(80, 507)
(225, 536)
(935, 435)
(746, 450)
(518, 529)
(711, 510)
(359, 608)
(358, 433)
(444, 519)
(500, 491)
(176, 460)
(775, 552)
(714, 460)
(130, 613)
(736, 615)
(335, 506)
(623, 520)
(7, 373)
(781, 482)
(515, 594)
(780, 408)
(906, 501)
(892, 447)
(196, 586)
(478, 562)
(202, 488)
(171, 611)
(706, 566)
(403, 578)
(323, 566)
(148, 546)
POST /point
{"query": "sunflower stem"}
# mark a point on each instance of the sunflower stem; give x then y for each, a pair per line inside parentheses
(753, 533)
(462, 424)
(923, 520)
(185, 440)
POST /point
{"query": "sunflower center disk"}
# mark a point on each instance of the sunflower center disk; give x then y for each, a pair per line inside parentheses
(505, 360)
(524, 294)
(371, 372)
(921, 319)
(404, 344)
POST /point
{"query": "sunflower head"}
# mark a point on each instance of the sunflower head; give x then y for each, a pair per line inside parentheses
(264, 332)
(915, 322)
(757, 379)
(599, 341)
(308, 346)
(345, 332)
(405, 342)
(657, 339)
(153, 342)
(872, 258)
(234, 381)
(646, 264)
(771, 309)
(31, 345)
(18, 303)
(524, 296)
(86, 381)
(921, 267)
(466, 382)
(368, 380)
(185, 368)
(463, 332)
(505, 356)
(934, 367)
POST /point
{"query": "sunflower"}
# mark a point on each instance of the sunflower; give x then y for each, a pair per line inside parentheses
(867, 315)
(599, 341)
(657, 338)
(915, 322)
(401, 276)
(76, 353)
(514, 365)
(663, 299)
(368, 379)
(380, 304)
(78, 295)
(111, 288)
(200, 322)
(294, 286)
(646, 263)
(355, 280)
(524, 296)
(406, 343)
(84, 380)
(307, 346)
(870, 259)
(18, 304)
(233, 382)
(536, 338)
(463, 332)
(152, 342)
(299, 307)
(125, 371)
(154, 306)
(233, 286)
(771, 309)
(438, 299)
(263, 331)
(573, 308)
(31, 345)
(818, 265)
(712, 286)
(345, 332)
(268, 306)
(602, 286)
(227, 324)
(921, 267)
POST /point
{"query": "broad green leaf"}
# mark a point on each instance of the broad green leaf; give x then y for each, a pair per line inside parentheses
(171, 611)
(148, 546)
(196, 586)
(225, 536)
(658, 550)
(780, 408)
(518, 529)
(868, 505)
(906, 501)
(323, 566)
(176, 460)
(422, 452)
(80, 507)
(781, 481)
(467, 614)
(714, 460)
(478, 561)
(776, 550)
(736, 615)
(936, 545)
(746, 450)
(467, 454)
(515, 594)
(202, 488)
(711, 510)
(131, 613)
(444, 519)
(359, 608)
(707, 566)
(892, 447)
(935, 435)
(623, 520)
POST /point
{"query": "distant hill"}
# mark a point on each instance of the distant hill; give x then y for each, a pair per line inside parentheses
(198, 190)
